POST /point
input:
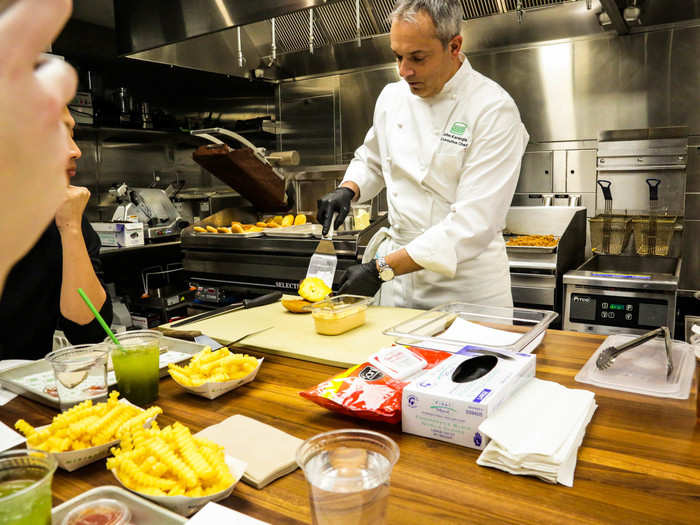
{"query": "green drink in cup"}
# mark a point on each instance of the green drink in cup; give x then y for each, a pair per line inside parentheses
(135, 363)
(25, 487)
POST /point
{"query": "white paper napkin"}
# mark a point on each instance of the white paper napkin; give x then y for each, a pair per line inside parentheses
(215, 514)
(9, 438)
(538, 431)
(473, 333)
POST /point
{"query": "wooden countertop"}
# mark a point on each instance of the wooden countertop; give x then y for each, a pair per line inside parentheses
(639, 462)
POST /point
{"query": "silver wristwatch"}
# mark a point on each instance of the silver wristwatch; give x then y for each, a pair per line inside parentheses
(386, 272)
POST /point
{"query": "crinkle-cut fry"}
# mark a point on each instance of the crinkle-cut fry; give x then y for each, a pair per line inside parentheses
(25, 428)
(188, 449)
(212, 356)
(223, 360)
(138, 420)
(180, 377)
(166, 455)
(106, 418)
(121, 414)
(134, 473)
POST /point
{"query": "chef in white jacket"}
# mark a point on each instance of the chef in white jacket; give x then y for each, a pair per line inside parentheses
(447, 144)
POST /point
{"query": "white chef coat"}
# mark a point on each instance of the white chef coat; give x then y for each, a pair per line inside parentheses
(450, 164)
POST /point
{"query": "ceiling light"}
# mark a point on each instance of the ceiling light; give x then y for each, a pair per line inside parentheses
(604, 19)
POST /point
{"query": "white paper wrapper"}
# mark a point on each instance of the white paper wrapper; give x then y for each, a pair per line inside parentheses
(187, 506)
(214, 390)
(74, 459)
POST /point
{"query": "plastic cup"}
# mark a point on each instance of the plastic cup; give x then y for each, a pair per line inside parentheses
(25, 487)
(80, 372)
(136, 365)
(361, 214)
(348, 474)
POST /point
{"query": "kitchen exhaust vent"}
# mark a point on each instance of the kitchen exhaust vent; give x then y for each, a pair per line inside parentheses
(382, 9)
(333, 23)
(479, 8)
(531, 4)
(293, 31)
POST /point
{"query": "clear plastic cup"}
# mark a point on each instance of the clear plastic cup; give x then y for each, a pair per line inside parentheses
(348, 474)
(80, 372)
(25, 487)
(107, 511)
(136, 365)
(361, 214)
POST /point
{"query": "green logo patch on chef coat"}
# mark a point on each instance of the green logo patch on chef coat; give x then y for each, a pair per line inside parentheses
(459, 135)
(458, 128)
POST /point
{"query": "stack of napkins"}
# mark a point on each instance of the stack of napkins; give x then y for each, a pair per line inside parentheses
(269, 452)
(538, 431)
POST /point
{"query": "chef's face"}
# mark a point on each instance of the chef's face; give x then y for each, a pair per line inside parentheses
(424, 62)
(74, 152)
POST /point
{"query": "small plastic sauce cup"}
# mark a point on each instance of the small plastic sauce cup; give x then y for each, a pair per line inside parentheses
(105, 511)
(337, 315)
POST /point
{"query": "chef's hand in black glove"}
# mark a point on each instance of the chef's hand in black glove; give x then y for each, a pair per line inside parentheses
(361, 279)
(337, 201)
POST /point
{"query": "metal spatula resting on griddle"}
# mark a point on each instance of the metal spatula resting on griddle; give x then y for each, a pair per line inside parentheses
(324, 260)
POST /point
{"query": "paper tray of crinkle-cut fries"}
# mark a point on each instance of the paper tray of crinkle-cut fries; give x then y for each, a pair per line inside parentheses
(212, 374)
(175, 469)
(71, 460)
(187, 505)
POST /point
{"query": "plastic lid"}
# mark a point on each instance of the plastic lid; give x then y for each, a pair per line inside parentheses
(104, 511)
(339, 304)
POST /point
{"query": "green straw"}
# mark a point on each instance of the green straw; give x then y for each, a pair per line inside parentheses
(98, 317)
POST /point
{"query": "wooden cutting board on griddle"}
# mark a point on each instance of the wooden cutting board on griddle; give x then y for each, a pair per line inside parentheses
(245, 173)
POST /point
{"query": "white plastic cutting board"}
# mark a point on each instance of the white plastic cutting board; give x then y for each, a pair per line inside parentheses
(293, 335)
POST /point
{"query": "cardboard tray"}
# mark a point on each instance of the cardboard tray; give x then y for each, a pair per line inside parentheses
(143, 511)
(11, 378)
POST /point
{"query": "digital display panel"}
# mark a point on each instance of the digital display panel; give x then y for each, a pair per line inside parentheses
(617, 306)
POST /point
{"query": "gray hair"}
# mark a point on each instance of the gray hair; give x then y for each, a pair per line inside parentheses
(446, 15)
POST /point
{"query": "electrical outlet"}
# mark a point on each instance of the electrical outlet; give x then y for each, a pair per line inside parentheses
(690, 320)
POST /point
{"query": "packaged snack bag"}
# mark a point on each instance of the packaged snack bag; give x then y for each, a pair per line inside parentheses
(372, 390)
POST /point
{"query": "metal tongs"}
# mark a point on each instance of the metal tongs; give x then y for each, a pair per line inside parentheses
(607, 357)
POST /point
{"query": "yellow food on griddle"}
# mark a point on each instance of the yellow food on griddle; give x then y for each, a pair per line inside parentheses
(273, 225)
(261, 224)
(313, 289)
(199, 229)
(224, 229)
(277, 218)
(300, 219)
(288, 220)
(237, 228)
(211, 229)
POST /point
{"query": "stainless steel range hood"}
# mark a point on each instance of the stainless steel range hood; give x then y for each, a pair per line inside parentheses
(201, 34)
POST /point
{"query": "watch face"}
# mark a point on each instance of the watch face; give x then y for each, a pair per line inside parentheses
(387, 274)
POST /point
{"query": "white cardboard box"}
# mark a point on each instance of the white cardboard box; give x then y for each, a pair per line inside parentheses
(119, 234)
(435, 406)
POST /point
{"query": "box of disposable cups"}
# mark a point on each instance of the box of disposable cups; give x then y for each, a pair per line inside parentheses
(449, 403)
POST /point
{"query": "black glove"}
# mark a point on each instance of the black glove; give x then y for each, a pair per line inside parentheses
(337, 201)
(361, 279)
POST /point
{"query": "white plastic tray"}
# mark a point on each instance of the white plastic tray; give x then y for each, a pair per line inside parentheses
(31, 379)
(642, 370)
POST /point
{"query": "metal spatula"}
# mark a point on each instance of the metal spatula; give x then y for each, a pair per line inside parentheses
(324, 260)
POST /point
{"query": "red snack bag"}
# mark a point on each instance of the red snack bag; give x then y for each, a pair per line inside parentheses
(367, 392)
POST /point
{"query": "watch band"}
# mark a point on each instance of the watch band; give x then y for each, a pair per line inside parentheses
(386, 272)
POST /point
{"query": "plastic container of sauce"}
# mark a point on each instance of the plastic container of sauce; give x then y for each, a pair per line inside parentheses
(103, 511)
(339, 314)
